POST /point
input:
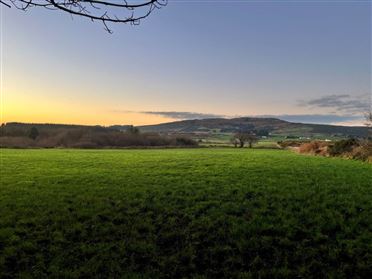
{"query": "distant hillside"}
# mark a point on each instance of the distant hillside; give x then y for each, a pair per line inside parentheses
(272, 125)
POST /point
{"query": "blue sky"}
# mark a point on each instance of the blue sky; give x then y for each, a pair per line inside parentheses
(214, 57)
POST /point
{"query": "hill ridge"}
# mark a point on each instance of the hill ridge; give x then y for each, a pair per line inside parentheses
(271, 125)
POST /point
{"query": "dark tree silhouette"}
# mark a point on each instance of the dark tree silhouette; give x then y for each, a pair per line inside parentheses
(105, 11)
(242, 137)
(368, 124)
(234, 141)
(368, 117)
(34, 133)
(133, 130)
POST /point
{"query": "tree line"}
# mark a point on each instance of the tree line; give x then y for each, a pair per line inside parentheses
(49, 136)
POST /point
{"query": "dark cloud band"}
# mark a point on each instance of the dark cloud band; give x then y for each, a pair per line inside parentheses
(183, 115)
(340, 103)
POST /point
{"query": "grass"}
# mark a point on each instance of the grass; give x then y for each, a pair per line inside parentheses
(191, 213)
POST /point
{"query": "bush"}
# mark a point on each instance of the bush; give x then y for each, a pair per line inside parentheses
(350, 148)
(314, 147)
(363, 152)
(185, 141)
(343, 146)
(291, 143)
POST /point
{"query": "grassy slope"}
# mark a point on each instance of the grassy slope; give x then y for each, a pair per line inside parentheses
(174, 213)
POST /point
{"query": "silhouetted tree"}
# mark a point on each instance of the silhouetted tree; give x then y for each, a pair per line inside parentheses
(234, 141)
(133, 130)
(252, 139)
(34, 133)
(368, 124)
(243, 137)
(2, 130)
(369, 119)
(105, 11)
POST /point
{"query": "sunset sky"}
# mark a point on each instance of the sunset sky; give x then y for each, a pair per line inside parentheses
(304, 61)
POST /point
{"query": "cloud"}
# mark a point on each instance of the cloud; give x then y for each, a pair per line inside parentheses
(180, 115)
(318, 118)
(345, 103)
(183, 115)
(358, 122)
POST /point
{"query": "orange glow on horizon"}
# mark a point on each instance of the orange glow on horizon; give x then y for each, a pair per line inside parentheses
(60, 117)
(44, 111)
(30, 103)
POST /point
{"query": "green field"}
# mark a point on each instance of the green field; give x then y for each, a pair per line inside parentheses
(191, 213)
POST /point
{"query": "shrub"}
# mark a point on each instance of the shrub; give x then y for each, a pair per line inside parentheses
(291, 143)
(184, 141)
(363, 152)
(314, 147)
(343, 146)
(350, 148)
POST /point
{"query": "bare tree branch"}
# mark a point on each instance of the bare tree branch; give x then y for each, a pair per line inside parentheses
(1, 2)
(105, 11)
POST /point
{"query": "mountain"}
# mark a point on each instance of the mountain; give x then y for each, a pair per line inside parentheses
(271, 125)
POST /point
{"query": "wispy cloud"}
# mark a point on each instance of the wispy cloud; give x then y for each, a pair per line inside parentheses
(345, 103)
(183, 115)
(318, 118)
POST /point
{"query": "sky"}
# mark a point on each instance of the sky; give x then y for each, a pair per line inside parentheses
(303, 61)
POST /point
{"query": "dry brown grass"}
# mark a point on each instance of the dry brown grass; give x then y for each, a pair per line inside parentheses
(315, 148)
(360, 151)
(291, 143)
(363, 152)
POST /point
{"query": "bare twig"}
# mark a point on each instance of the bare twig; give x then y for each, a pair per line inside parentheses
(1, 2)
(105, 11)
